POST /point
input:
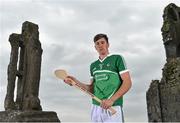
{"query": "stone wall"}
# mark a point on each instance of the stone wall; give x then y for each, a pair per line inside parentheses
(25, 69)
(163, 97)
(154, 104)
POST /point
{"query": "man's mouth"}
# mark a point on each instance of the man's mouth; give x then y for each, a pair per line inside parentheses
(100, 49)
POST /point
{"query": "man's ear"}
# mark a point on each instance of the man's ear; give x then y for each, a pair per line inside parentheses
(95, 47)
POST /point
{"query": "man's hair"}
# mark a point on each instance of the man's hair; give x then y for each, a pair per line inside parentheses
(99, 36)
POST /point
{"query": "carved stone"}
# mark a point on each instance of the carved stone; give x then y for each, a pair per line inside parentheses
(171, 30)
(28, 116)
(28, 73)
(12, 71)
(163, 98)
(154, 112)
(24, 69)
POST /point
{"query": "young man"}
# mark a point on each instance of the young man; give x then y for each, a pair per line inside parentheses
(110, 81)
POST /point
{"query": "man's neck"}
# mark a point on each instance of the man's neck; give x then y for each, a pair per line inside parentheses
(102, 56)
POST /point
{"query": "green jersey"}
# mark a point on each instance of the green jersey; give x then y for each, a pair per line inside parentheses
(106, 77)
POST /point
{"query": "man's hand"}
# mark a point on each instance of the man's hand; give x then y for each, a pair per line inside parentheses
(107, 103)
(68, 80)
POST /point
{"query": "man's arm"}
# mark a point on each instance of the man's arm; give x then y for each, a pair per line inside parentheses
(126, 85)
(88, 87)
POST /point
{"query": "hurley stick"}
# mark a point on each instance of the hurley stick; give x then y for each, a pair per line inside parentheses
(62, 75)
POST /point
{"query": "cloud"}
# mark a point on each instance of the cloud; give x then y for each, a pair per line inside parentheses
(66, 34)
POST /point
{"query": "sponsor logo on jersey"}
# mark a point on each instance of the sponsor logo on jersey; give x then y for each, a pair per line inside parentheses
(101, 77)
(108, 65)
(100, 66)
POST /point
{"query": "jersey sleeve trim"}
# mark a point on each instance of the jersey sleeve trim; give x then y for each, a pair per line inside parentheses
(124, 71)
(91, 77)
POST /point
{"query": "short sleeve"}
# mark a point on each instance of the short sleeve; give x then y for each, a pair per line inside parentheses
(121, 64)
(91, 73)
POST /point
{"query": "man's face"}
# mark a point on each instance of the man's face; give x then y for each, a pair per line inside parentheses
(102, 46)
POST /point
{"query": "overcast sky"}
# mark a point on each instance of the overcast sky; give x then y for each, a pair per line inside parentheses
(67, 28)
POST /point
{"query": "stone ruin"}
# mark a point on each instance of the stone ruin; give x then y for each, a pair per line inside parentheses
(171, 31)
(163, 97)
(24, 69)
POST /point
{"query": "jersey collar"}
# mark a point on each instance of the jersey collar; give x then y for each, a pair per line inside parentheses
(101, 60)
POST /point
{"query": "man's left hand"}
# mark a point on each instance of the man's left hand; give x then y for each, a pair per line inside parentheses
(107, 103)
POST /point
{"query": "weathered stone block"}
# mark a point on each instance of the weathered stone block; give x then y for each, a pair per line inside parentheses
(163, 98)
(28, 116)
(25, 67)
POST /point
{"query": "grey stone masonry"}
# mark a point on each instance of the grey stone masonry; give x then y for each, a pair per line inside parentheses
(28, 71)
(153, 102)
(25, 69)
(28, 116)
(163, 97)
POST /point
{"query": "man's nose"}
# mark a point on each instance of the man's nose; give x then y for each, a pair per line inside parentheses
(100, 45)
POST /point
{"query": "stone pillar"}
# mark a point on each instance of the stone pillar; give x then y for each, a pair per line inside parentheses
(163, 98)
(171, 30)
(32, 66)
(26, 54)
(170, 91)
(9, 103)
(154, 102)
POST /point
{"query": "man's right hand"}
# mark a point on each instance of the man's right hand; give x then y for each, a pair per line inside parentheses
(69, 79)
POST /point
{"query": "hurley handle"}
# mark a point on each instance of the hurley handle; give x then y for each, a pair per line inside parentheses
(62, 74)
(112, 110)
